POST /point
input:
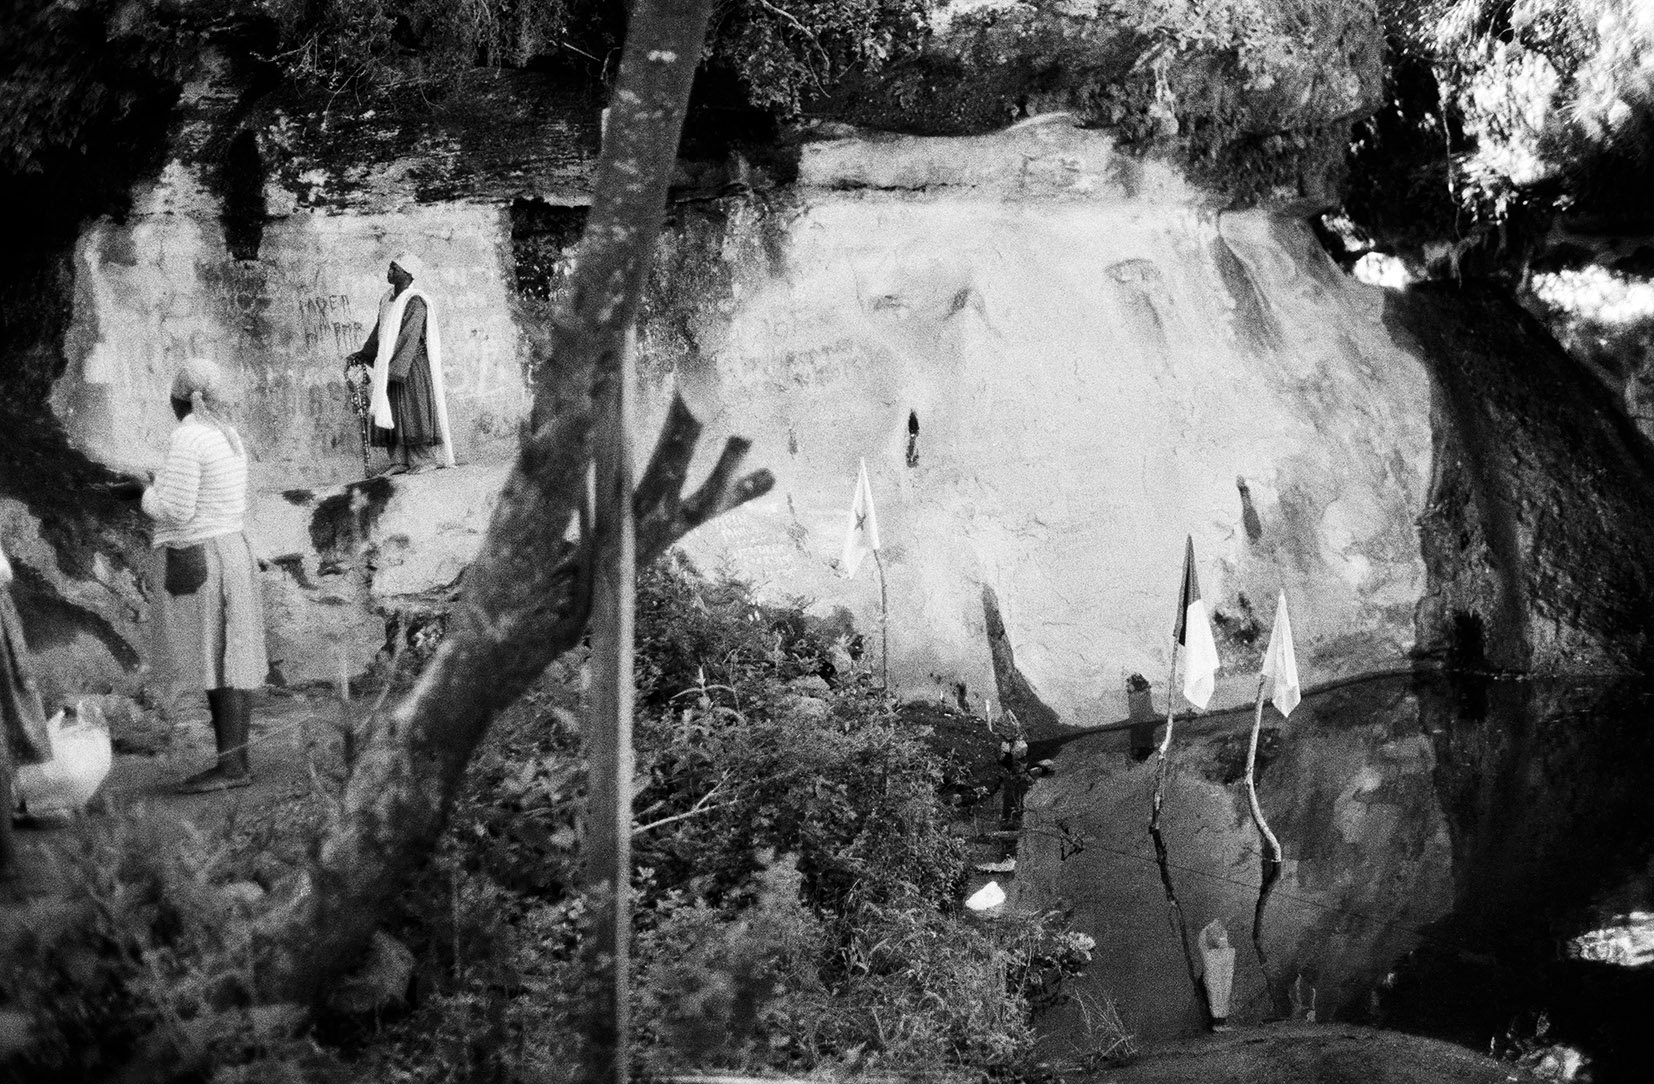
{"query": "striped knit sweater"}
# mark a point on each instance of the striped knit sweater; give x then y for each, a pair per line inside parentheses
(201, 492)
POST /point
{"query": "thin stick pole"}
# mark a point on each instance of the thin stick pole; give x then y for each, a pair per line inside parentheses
(884, 621)
(609, 746)
(1272, 857)
(1166, 740)
(1162, 857)
(1274, 854)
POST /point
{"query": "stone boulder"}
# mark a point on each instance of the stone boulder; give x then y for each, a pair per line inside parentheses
(350, 571)
(79, 559)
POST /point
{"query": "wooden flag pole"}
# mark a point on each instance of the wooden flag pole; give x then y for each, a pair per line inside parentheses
(884, 622)
(1272, 859)
(1251, 785)
(1162, 857)
(609, 742)
(1166, 740)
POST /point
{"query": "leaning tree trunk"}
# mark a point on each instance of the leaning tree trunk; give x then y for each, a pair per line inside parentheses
(528, 594)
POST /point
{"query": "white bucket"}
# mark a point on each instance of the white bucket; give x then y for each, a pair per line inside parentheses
(81, 759)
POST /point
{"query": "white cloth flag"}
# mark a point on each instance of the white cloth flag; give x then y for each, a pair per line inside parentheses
(1194, 632)
(862, 535)
(1280, 662)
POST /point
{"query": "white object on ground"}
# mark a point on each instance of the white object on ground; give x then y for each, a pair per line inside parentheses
(1219, 957)
(987, 897)
(81, 759)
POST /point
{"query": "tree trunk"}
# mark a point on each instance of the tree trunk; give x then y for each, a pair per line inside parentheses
(527, 596)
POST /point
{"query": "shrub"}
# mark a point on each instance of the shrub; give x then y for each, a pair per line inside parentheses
(796, 885)
(151, 961)
(797, 875)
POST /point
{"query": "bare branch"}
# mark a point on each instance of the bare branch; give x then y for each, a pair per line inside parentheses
(701, 806)
(659, 491)
(638, 830)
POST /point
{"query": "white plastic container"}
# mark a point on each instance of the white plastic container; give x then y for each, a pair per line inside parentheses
(81, 758)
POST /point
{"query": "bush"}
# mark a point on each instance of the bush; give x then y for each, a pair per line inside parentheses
(796, 895)
(151, 961)
(797, 876)
(1501, 113)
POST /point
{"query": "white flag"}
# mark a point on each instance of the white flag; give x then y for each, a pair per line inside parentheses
(862, 535)
(1194, 631)
(1280, 662)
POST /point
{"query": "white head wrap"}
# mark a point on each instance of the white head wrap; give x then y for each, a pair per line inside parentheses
(410, 263)
(201, 383)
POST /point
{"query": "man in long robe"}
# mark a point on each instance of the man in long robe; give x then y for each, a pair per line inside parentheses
(405, 396)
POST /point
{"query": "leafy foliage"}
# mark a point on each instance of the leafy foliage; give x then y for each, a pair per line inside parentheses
(339, 43)
(797, 875)
(781, 52)
(785, 52)
(1502, 112)
(74, 77)
(151, 961)
(796, 885)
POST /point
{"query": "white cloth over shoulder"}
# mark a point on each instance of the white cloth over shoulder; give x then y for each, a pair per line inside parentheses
(391, 308)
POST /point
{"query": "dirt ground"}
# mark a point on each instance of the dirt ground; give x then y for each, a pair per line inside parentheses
(289, 734)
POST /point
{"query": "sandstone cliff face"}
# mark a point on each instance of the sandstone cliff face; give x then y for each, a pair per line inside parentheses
(1056, 360)
(1097, 367)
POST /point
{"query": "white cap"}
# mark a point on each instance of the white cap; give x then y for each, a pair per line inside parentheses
(410, 263)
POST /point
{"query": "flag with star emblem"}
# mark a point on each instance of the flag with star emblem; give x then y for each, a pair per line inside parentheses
(1194, 632)
(862, 537)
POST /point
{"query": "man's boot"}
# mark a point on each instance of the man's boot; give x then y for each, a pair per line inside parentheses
(230, 771)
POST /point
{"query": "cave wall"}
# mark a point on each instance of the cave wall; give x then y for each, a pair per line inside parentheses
(1056, 358)
(1097, 362)
(1539, 533)
(163, 286)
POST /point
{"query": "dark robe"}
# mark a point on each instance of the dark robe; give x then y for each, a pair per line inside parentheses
(412, 398)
